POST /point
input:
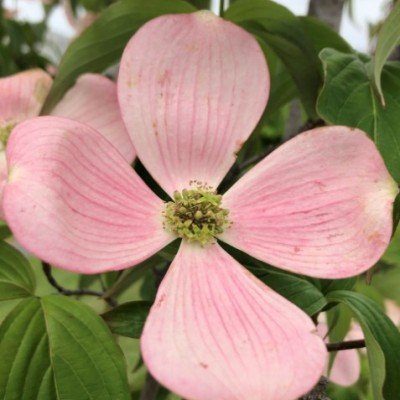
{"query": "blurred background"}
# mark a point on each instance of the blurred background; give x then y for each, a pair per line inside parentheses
(36, 33)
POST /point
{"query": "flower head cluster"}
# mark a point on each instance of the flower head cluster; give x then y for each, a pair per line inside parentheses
(191, 89)
(196, 215)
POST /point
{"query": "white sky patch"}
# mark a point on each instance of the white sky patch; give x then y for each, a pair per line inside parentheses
(356, 30)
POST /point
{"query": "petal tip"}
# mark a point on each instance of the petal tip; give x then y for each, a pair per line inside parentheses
(206, 16)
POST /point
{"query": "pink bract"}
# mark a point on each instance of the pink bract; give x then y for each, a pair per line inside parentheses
(21, 97)
(187, 97)
(346, 367)
(191, 89)
(92, 100)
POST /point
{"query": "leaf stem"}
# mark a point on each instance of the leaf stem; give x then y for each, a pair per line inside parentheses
(348, 345)
(67, 292)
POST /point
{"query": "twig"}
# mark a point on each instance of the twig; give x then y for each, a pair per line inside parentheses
(351, 344)
(68, 292)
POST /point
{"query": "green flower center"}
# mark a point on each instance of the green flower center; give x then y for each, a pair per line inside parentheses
(196, 215)
(5, 132)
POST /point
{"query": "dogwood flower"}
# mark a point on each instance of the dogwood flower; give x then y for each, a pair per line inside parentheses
(191, 89)
(92, 100)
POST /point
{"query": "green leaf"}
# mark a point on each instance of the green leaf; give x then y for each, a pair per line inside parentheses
(388, 39)
(330, 285)
(16, 276)
(347, 98)
(284, 33)
(294, 288)
(58, 348)
(101, 45)
(387, 283)
(396, 212)
(371, 292)
(282, 92)
(339, 324)
(282, 89)
(131, 275)
(201, 4)
(322, 35)
(86, 281)
(392, 253)
(128, 319)
(382, 340)
(5, 231)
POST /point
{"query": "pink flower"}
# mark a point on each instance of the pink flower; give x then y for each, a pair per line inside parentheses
(191, 89)
(346, 367)
(93, 101)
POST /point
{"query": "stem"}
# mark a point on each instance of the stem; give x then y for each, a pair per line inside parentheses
(67, 292)
(351, 344)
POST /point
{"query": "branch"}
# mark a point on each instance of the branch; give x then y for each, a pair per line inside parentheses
(351, 344)
(67, 292)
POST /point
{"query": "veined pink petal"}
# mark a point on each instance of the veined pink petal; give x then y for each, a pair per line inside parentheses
(346, 368)
(216, 332)
(73, 201)
(22, 95)
(93, 101)
(320, 205)
(192, 87)
(3, 178)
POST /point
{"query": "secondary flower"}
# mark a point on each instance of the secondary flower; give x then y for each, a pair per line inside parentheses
(192, 88)
(346, 367)
(92, 100)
